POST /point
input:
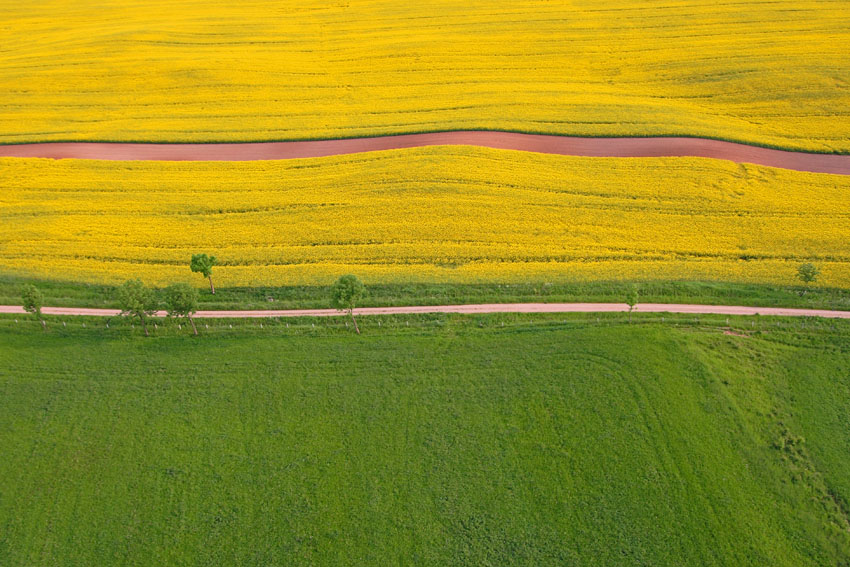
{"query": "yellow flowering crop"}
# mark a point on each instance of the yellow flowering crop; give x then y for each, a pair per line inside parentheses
(456, 214)
(771, 72)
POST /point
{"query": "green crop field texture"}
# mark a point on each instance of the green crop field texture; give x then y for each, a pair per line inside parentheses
(75, 294)
(538, 443)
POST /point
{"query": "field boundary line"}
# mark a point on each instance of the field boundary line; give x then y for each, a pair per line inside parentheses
(678, 308)
(613, 147)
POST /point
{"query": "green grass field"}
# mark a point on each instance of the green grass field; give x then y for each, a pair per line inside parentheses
(438, 440)
(73, 294)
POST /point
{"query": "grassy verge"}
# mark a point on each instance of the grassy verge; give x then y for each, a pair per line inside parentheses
(456, 440)
(67, 294)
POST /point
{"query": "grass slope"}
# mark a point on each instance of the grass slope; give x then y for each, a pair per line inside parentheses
(765, 71)
(542, 442)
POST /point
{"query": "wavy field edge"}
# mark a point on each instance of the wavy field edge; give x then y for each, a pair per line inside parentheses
(632, 147)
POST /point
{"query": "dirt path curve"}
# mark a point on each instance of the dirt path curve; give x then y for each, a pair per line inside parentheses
(548, 144)
(473, 309)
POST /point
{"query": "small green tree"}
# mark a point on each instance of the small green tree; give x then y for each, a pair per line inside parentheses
(136, 300)
(345, 294)
(807, 273)
(181, 300)
(201, 263)
(32, 301)
(632, 299)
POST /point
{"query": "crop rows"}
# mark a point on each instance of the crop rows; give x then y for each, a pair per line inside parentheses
(771, 71)
(441, 214)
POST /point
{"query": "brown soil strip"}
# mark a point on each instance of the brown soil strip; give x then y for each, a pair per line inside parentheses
(548, 144)
(475, 309)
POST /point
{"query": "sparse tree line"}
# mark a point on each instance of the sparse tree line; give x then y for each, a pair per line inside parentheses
(180, 300)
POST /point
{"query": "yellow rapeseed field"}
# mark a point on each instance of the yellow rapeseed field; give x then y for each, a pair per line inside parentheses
(773, 72)
(444, 214)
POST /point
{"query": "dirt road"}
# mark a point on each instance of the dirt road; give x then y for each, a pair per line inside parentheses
(549, 144)
(473, 309)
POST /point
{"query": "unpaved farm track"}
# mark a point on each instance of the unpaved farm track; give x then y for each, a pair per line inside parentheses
(473, 309)
(548, 144)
